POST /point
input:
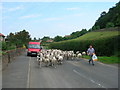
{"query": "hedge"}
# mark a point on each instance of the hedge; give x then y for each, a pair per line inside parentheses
(103, 46)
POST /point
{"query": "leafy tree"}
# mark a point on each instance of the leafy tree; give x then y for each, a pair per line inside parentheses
(34, 39)
(45, 38)
(78, 33)
(103, 13)
(4, 46)
(83, 31)
(39, 39)
(95, 27)
(19, 38)
(71, 36)
(113, 15)
(58, 38)
(109, 24)
(75, 34)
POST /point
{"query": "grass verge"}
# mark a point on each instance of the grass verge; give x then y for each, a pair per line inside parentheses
(107, 60)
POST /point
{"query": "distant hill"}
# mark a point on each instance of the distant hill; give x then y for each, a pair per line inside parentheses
(109, 19)
(105, 42)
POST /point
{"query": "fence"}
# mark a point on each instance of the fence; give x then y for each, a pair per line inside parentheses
(10, 56)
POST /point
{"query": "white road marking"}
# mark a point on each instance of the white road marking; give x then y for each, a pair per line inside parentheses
(29, 70)
(88, 78)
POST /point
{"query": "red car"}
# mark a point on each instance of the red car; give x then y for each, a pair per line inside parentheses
(33, 48)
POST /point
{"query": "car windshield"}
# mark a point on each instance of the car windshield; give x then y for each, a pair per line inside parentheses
(35, 46)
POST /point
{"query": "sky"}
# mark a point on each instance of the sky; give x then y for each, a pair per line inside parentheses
(50, 18)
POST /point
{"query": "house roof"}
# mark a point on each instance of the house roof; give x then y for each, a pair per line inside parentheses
(2, 35)
(49, 41)
(66, 35)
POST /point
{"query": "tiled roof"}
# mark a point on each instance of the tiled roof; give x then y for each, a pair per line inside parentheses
(1, 34)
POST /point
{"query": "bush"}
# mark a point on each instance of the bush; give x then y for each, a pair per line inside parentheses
(109, 24)
(4, 46)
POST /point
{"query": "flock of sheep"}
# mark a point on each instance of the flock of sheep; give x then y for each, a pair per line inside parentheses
(53, 57)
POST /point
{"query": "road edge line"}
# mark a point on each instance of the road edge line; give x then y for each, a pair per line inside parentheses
(91, 80)
(28, 76)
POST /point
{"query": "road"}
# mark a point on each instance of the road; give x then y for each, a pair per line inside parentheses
(24, 72)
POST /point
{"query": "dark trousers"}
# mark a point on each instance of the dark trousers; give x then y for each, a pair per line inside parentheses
(91, 60)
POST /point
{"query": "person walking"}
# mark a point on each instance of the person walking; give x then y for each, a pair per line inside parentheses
(90, 52)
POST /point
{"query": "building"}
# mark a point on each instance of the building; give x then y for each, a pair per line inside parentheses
(49, 41)
(67, 36)
(2, 37)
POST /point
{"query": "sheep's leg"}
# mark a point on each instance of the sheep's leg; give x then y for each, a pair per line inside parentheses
(50, 63)
(72, 58)
(54, 64)
(67, 57)
(40, 64)
(60, 62)
(47, 63)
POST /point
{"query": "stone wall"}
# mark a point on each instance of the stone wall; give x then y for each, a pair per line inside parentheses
(10, 56)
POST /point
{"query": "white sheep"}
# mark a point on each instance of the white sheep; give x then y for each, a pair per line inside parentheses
(83, 53)
(60, 59)
(79, 55)
(55, 56)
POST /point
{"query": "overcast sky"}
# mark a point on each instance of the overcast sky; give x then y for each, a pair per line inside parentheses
(50, 18)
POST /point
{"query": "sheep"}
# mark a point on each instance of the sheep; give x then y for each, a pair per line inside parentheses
(52, 57)
(46, 59)
(60, 59)
(69, 55)
(39, 59)
(49, 57)
(52, 60)
(79, 55)
(83, 53)
(77, 52)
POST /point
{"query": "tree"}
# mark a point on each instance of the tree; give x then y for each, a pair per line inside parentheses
(34, 39)
(58, 38)
(113, 15)
(90, 30)
(109, 24)
(19, 38)
(39, 39)
(83, 31)
(75, 34)
(103, 13)
(45, 38)
(95, 27)
(10, 37)
(22, 37)
(71, 36)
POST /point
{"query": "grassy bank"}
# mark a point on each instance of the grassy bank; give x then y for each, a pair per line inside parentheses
(107, 60)
(104, 42)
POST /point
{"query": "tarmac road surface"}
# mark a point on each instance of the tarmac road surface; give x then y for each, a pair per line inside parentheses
(24, 72)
